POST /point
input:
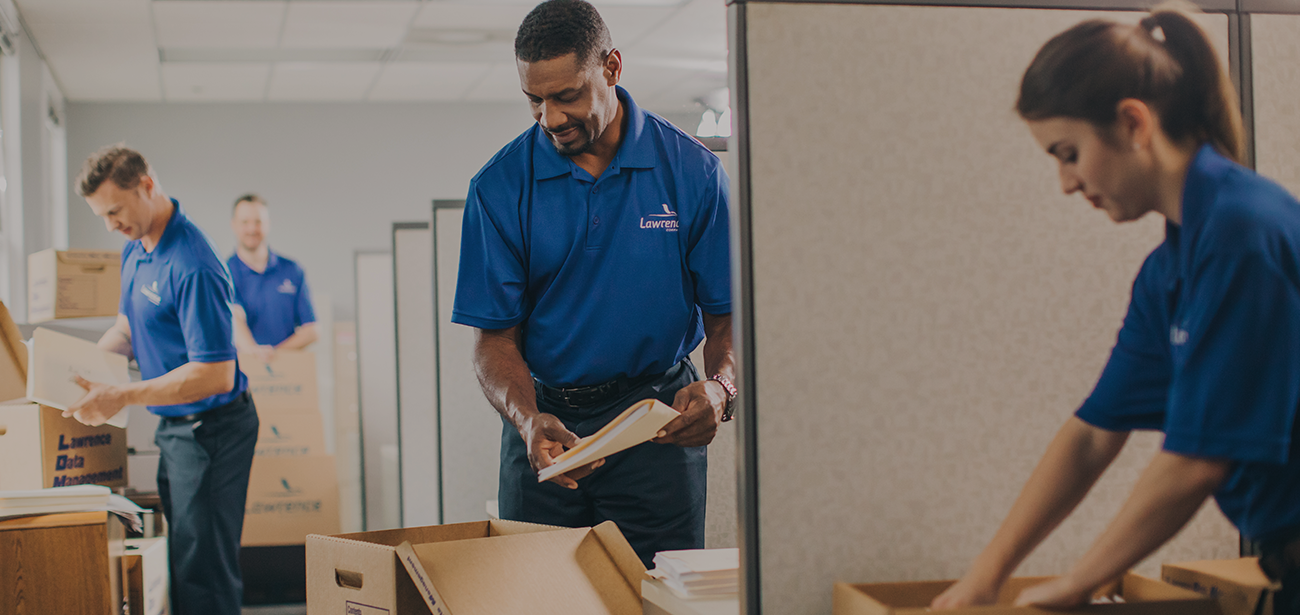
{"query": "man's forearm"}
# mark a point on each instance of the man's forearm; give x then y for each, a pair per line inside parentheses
(504, 376)
(303, 337)
(186, 384)
(1164, 499)
(114, 340)
(718, 357)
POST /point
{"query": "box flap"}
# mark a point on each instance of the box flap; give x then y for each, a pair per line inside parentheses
(410, 561)
(90, 257)
(13, 358)
(1237, 584)
(622, 553)
(1242, 571)
(561, 572)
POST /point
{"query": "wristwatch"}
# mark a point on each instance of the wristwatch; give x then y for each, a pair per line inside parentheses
(729, 412)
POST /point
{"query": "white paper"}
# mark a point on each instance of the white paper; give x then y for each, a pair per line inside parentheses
(53, 361)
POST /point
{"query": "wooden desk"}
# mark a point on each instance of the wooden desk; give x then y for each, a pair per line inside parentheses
(64, 563)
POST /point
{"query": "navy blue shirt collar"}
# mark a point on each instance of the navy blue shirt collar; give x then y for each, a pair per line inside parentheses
(169, 232)
(1200, 188)
(637, 151)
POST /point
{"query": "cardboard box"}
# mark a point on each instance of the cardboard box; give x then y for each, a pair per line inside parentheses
(146, 577)
(360, 573)
(73, 284)
(1238, 585)
(64, 563)
(1142, 596)
(289, 498)
(286, 384)
(38, 447)
(582, 571)
(290, 434)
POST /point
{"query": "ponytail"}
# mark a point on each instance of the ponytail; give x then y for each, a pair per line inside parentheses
(1166, 61)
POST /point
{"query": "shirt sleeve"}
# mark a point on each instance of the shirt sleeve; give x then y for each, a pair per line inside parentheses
(1133, 389)
(1237, 381)
(203, 308)
(304, 314)
(491, 283)
(709, 255)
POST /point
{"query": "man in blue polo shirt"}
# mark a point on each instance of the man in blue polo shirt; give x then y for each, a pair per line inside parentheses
(175, 319)
(594, 259)
(271, 290)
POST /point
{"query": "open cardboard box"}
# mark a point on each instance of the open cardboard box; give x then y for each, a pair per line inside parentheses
(1238, 585)
(478, 568)
(1142, 596)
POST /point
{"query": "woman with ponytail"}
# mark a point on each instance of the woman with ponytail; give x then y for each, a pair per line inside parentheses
(1143, 119)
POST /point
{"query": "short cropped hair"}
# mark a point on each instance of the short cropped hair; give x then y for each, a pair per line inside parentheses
(556, 28)
(119, 163)
(247, 198)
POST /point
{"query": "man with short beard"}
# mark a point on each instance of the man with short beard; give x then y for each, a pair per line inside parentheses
(594, 259)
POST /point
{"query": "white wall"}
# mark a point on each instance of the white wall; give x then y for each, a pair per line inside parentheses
(336, 176)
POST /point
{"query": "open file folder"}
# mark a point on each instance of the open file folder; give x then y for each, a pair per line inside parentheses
(53, 359)
(633, 426)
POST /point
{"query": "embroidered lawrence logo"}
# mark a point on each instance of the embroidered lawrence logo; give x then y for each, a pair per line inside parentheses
(287, 287)
(667, 221)
(150, 292)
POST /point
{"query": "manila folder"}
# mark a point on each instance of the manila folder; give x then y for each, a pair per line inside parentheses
(637, 424)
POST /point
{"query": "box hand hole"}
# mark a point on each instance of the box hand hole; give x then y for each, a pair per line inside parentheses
(347, 579)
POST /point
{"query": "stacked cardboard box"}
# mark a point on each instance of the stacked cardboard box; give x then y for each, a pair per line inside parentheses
(38, 447)
(293, 490)
(1238, 585)
(73, 284)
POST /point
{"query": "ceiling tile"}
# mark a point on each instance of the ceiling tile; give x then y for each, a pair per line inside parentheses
(500, 85)
(322, 82)
(215, 82)
(427, 80)
(478, 16)
(218, 23)
(353, 24)
(84, 11)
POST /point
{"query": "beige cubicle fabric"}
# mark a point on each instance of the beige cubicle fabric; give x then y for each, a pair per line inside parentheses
(1276, 73)
(928, 307)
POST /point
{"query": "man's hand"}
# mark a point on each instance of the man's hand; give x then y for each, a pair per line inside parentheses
(101, 402)
(1059, 593)
(964, 593)
(701, 405)
(546, 438)
(264, 353)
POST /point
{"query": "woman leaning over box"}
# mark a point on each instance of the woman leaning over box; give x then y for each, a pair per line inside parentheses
(1143, 119)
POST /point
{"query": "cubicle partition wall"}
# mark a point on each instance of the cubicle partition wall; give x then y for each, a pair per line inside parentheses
(470, 429)
(919, 307)
(417, 392)
(377, 390)
(1276, 78)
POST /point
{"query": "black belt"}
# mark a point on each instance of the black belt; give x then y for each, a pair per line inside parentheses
(1280, 555)
(578, 397)
(234, 404)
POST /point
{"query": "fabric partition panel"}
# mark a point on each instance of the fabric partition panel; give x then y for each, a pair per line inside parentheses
(1276, 54)
(925, 307)
(470, 431)
(376, 364)
(417, 393)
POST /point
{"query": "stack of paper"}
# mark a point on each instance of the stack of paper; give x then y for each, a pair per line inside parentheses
(699, 573)
(80, 498)
(53, 359)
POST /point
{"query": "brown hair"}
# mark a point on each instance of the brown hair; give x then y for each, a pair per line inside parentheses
(119, 163)
(247, 198)
(1166, 61)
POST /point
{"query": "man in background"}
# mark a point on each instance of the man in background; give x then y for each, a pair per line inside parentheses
(274, 303)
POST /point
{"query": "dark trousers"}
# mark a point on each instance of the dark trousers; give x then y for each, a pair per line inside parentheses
(1279, 558)
(203, 485)
(654, 492)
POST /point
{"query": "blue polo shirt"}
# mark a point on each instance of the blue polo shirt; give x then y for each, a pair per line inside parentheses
(1209, 352)
(276, 300)
(608, 277)
(177, 300)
